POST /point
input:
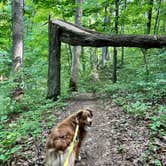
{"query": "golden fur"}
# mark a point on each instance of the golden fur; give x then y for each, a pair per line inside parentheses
(62, 135)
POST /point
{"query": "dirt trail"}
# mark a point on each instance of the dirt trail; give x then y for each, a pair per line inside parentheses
(116, 138)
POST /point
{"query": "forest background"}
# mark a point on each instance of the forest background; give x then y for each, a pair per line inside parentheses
(139, 85)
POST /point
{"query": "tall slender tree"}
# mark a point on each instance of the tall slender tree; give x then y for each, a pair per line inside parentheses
(18, 46)
(18, 28)
(123, 29)
(148, 29)
(156, 25)
(114, 74)
(105, 50)
(149, 16)
(76, 50)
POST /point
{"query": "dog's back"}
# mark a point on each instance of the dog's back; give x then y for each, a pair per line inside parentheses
(58, 142)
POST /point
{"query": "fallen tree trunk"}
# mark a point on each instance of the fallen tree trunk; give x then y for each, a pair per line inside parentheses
(75, 35)
(60, 31)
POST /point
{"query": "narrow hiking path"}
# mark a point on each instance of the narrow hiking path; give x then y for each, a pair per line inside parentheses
(116, 138)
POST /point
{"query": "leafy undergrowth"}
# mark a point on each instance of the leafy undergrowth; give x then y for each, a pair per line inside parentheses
(116, 138)
(23, 132)
(141, 95)
(24, 119)
(24, 123)
(18, 127)
(144, 101)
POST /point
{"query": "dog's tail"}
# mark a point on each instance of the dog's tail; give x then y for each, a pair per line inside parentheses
(59, 158)
(54, 158)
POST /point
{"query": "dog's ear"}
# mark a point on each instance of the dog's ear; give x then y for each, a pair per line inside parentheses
(79, 115)
(91, 111)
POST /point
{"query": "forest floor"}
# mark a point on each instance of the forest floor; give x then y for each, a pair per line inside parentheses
(116, 137)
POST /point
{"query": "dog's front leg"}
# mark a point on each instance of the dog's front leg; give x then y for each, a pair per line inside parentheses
(78, 146)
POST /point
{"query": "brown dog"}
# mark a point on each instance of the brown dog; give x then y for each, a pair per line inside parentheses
(58, 142)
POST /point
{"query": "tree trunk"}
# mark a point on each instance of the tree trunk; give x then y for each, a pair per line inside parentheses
(83, 59)
(148, 28)
(72, 34)
(54, 62)
(122, 57)
(75, 65)
(69, 55)
(104, 52)
(76, 35)
(76, 51)
(156, 25)
(123, 29)
(18, 30)
(114, 74)
(105, 49)
(17, 48)
(94, 60)
(149, 16)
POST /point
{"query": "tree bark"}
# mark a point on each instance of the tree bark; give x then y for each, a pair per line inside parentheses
(76, 51)
(149, 16)
(83, 59)
(76, 35)
(105, 50)
(156, 25)
(75, 65)
(94, 60)
(18, 30)
(69, 56)
(73, 34)
(114, 73)
(17, 48)
(54, 62)
(148, 28)
(123, 29)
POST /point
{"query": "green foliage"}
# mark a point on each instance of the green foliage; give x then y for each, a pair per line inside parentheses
(5, 63)
(158, 163)
(28, 117)
(138, 108)
(5, 25)
(140, 94)
(25, 117)
(158, 120)
(143, 99)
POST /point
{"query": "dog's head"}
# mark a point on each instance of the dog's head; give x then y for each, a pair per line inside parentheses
(84, 118)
